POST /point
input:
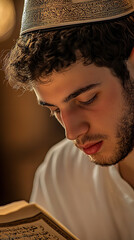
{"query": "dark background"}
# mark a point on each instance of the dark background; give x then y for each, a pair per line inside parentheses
(26, 131)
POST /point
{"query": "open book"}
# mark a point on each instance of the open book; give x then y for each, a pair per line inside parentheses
(28, 221)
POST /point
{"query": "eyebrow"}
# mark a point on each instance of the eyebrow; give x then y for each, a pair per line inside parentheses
(73, 95)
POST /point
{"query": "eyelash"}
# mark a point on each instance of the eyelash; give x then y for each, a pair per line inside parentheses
(90, 101)
(53, 112)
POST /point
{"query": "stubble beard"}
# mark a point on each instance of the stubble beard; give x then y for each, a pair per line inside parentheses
(124, 143)
(124, 136)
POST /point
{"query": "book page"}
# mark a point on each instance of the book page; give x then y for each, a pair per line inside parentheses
(11, 207)
(38, 230)
(33, 223)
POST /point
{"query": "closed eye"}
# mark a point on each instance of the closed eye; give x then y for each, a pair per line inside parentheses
(91, 100)
(53, 112)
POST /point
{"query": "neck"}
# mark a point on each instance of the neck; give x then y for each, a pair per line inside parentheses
(126, 169)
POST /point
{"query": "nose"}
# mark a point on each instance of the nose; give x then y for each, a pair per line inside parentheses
(74, 123)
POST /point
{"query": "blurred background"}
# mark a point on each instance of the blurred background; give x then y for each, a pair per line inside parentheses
(26, 130)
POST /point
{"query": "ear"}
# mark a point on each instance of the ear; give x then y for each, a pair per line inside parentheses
(131, 57)
(130, 63)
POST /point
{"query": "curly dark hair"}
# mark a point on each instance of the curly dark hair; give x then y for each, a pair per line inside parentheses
(40, 53)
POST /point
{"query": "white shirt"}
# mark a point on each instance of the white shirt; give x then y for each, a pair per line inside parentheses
(93, 202)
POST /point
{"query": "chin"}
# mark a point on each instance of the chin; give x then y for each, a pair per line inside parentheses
(104, 160)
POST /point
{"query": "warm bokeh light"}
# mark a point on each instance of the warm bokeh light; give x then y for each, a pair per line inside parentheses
(7, 18)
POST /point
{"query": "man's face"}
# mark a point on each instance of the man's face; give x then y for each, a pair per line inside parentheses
(94, 109)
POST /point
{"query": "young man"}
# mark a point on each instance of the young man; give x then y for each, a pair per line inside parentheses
(78, 58)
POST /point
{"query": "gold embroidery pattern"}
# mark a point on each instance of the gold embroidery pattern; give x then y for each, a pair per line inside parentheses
(41, 14)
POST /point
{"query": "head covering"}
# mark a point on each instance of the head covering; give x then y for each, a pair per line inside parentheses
(50, 14)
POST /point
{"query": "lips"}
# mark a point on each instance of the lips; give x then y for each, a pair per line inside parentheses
(92, 148)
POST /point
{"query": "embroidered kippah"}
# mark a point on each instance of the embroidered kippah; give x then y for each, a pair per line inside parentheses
(50, 14)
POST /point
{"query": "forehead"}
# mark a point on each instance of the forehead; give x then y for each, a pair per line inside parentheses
(75, 77)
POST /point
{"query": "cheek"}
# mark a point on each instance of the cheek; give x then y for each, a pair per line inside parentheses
(108, 110)
(113, 104)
